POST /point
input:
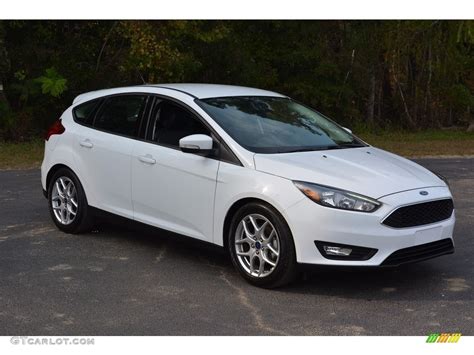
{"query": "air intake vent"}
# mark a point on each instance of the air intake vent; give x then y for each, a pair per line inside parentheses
(419, 253)
(420, 214)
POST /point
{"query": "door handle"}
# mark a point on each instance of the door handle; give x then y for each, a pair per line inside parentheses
(147, 159)
(86, 143)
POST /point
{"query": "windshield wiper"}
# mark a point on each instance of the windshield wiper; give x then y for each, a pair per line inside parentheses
(351, 145)
(326, 147)
(310, 149)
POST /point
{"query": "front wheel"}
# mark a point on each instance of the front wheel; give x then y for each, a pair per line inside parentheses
(261, 246)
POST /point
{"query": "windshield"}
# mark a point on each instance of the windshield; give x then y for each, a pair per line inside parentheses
(276, 125)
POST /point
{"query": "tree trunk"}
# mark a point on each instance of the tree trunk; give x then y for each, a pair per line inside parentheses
(371, 100)
(2, 95)
(3, 98)
(427, 109)
(411, 123)
(4, 65)
(471, 125)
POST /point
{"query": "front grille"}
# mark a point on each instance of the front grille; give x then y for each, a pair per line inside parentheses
(420, 252)
(420, 214)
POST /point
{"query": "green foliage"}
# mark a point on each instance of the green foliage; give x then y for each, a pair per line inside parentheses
(367, 74)
(4, 60)
(7, 121)
(52, 83)
(5, 115)
(23, 87)
(465, 32)
(459, 96)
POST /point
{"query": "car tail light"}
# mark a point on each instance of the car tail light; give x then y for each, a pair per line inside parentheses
(56, 128)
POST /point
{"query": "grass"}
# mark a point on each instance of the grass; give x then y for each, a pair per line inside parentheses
(23, 155)
(27, 155)
(426, 143)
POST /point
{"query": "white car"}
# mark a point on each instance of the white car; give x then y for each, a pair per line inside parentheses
(271, 180)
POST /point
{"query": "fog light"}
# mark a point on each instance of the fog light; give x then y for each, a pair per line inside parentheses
(336, 251)
(330, 250)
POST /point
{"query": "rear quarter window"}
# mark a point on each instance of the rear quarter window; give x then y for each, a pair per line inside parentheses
(84, 113)
(121, 114)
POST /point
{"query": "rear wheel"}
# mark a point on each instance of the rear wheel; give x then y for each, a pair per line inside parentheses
(68, 204)
(261, 246)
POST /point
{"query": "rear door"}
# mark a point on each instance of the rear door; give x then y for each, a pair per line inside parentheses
(105, 152)
(171, 189)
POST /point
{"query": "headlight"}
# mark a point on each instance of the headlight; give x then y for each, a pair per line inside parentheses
(335, 198)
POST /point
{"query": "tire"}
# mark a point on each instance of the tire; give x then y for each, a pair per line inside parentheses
(62, 200)
(262, 247)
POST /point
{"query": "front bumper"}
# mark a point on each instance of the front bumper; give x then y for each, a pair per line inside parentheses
(310, 222)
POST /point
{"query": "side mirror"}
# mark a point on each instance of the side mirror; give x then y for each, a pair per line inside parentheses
(347, 130)
(196, 143)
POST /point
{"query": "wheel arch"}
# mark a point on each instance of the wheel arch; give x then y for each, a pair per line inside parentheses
(55, 168)
(236, 206)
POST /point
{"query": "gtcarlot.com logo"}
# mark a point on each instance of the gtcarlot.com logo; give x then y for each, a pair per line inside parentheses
(443, 338)
(23, 340)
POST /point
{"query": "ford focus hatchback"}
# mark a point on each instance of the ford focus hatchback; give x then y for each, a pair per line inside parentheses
(271, 180)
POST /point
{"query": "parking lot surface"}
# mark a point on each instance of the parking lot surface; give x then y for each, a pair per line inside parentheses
(126, 279)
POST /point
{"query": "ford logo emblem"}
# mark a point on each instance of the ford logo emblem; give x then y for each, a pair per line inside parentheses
(423, 193)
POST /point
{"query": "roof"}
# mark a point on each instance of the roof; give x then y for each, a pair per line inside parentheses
(200, 91)
(203, 91)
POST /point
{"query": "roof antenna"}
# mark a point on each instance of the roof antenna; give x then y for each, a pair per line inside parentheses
(141, 77)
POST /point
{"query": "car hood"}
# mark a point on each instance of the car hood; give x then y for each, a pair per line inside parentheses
(368, 170)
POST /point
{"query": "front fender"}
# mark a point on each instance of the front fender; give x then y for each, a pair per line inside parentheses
(235, 183)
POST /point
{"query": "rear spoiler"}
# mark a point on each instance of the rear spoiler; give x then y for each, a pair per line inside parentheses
(98, 93)
(85, 96)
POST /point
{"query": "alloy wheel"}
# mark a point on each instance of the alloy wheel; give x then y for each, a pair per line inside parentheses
(257, 245)
(64, 200)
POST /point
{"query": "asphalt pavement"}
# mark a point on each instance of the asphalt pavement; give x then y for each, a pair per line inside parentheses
(126, 279)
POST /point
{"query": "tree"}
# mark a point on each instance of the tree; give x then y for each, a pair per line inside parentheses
(4, 66)
(365, 74)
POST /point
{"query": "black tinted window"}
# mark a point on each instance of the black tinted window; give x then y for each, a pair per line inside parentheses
(84, 113)
(170, 123)
(121, 114)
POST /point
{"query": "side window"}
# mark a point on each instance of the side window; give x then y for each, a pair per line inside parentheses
(170, 122)
(121, 114)
(84, 113)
